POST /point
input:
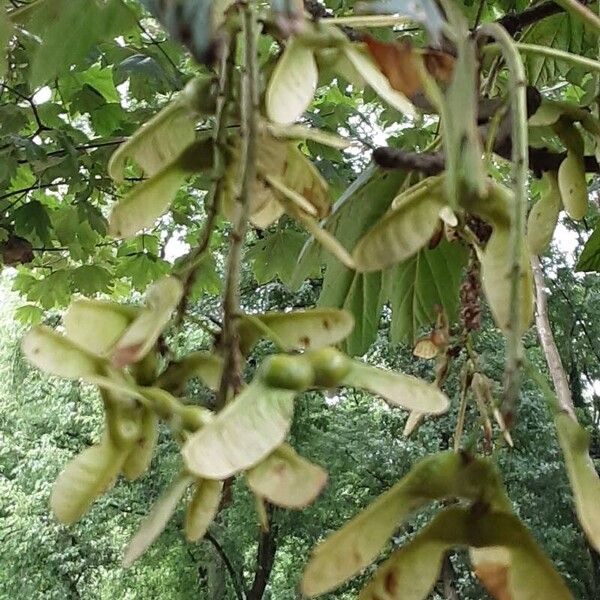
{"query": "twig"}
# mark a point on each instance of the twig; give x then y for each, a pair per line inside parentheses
(555, 366)
(520, 167)
(228, 565)
(232, 377)
(194, 258)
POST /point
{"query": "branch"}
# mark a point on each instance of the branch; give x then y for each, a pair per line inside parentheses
(228, 565)
(265, 557)
(555, 366)
(232, 376)
(514, 23)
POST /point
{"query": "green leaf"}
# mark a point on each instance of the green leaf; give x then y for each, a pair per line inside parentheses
(6, 32)
(67, 38)
(101, 79)
(153, 525)
(29, 314)
(91, 279)
(202, 508)
(86, 477)
(249, 428)
(398, 389)
(575, 444)
(286, 479)
(293, 83)
(141, 335)
(589, 259)
(32, 218)
(142, 269)
(158, 142)
(298, 330)
(274, 256)
(414, 288)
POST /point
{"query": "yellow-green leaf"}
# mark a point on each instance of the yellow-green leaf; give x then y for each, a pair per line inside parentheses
(299, 329)
(495, 272)
(247, 430)
(574, 441)
(96, 325)
(543, 216)
(86, 477)
(367, 68)
(293, 83)
(202, 508)
(400, 233)
(398, 389)
(161, 299)
(286, 479)
(141, 207)
(155, 522)
(573, 185)
(301, 132)
(157, 143)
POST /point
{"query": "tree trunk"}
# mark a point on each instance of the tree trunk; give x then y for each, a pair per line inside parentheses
(265, 557)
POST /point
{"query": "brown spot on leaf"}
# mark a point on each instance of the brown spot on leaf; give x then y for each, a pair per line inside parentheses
(305, 341)
(494, 578)
(326, 324)
(125, 356)
(390, 582)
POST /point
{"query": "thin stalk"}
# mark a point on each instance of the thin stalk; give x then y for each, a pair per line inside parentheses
(190, 265)
(581, 12)
(232, 376)
(574, 59)
(520, 167)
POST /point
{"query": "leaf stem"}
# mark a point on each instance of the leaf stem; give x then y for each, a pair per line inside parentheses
(232, 376)
(574, 59)
(520, 167)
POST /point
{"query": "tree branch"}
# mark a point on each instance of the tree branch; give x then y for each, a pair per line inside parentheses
(265, 557)
(228, 565)
(555, 366)
(232, 376)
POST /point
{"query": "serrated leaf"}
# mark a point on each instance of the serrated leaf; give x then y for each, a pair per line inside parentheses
(274, 256)
(91, 279)
(400, 233)
(293, 83)
(575, 442)
(248, 429)
(377, 80)
(286, 479)
(149, 200)
(160, 302)
(202, 508)
(300, 329)
(153, 525)
(86, 477)
(139, 459)
(398, 389)
(158, 142)
(495, 276)
(66, 38)
(29, 314)
(97, 325)
(589, 259)
(414, 288)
